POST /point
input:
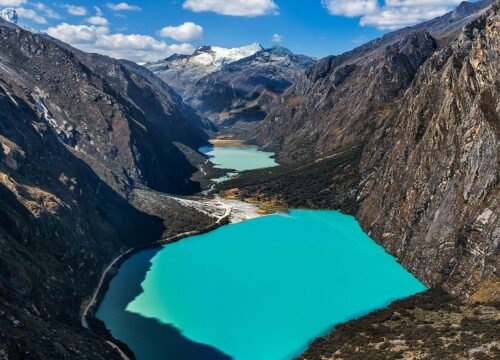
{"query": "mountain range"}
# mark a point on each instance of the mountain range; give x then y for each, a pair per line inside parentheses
(233, 88)
(403, 133)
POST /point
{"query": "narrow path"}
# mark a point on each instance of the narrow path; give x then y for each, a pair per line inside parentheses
(104, 276)
(118, 350)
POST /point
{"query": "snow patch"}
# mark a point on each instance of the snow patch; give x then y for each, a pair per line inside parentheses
(64, 131)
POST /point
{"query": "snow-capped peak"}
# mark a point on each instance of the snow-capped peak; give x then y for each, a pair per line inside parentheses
(10, 15)
(219, 56)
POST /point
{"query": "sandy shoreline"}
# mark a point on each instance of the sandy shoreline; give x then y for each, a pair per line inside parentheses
(227, 142)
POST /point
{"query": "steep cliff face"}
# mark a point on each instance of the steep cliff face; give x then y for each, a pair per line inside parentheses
(77, 133)
(337, 101)
(115, 116)
(434, 197)
(59, 225)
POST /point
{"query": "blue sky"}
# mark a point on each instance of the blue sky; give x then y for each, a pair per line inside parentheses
(149, 30)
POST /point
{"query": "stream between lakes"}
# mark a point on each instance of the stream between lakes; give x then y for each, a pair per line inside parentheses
(259, 289)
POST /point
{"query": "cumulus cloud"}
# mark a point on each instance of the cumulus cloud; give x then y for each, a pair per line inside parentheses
(392, 14)
(77, 34)
(123, 7)
(277, 38)
(98, 39)
(182, 48)
(350, 8)
(12, 2)
(248, 8)
(97, 20)
(392, 18)
(75, 10)
(30, 14)
(46, 10)
(186, 32)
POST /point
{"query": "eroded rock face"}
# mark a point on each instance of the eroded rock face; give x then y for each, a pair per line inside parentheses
(116, 116)
(434, 198)
(338, 100)
(59, 226)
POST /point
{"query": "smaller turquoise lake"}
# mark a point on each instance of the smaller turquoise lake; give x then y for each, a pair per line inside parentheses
(261, 289)
(239, 158)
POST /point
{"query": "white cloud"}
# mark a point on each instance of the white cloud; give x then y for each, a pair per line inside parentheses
(135, 47)
(277, 38)
(186, 32)
(123, 7)
(422, 2)
(248, 8)
(350, 8)
(75, 10)
(392, 18)
(30, 14)
(12, 2)
(182, 49)
(392, 14)
(77, 34)
(46, 10)
(97, 20)
(98, 11)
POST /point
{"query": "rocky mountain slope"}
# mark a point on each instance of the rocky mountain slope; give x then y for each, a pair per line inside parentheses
(77, 133)
(240, 93)
(334, 104)
(114, 115)
(416, 160)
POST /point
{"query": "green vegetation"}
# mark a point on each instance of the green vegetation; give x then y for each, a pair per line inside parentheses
(327, 183)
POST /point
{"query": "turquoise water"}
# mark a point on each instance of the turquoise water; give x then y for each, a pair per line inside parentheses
(239, 158)
(262, 289)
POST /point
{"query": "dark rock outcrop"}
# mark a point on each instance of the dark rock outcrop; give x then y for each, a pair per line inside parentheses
(431, 325)
(59, 225)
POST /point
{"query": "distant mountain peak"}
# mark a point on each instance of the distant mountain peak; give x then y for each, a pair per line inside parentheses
(280, 50)
(10, 15)
(219, 56)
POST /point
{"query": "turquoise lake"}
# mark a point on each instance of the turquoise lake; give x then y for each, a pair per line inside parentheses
(257, 290)
(239, 158)
(261, 289)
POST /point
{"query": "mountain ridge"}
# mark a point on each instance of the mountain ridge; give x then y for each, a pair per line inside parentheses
(239, 94)
(78, 133)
